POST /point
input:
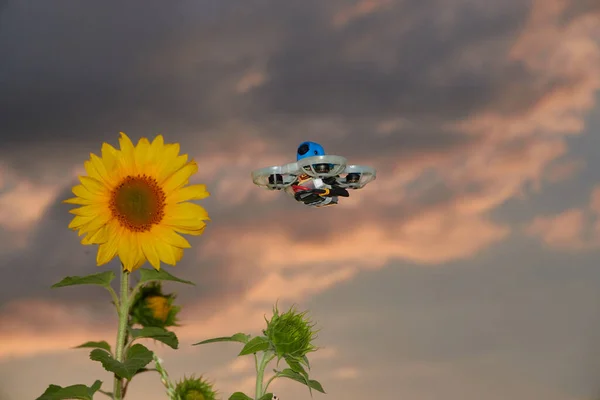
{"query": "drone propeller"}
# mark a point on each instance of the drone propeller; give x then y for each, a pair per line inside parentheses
(276, 177)
(322, 166)
(356, 176)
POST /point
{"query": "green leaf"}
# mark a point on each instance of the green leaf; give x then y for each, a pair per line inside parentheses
(156, 333)
(267, 396)
(295, 365)
(147, 275)
(137, 357)
(239, 396)
(101, 279)
(291, 374)
(259, 343)
(96, 345)
(79, 392)
(238, 337)
(96, 386)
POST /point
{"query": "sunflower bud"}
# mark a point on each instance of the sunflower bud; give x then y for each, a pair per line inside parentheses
(152, 308)
(290, 333)
(195, 389)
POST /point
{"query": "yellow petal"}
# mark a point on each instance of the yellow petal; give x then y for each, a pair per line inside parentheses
(126, 157)
(166, 253)
(139, 257)
(141, 153)
(164, 157)
(184, 211)
(178, 253)
(96, 222)
(98, 237)
(170, 163)
(109, 156)
(190, 231)
(130, 251)
(156, 148)
(94, 186)
(92, 210)
(107, 251)
(101, 169)
(91, 171)
(180, 177)
(192, 192)
(125, 250)
(84, 193)
(125, 143)
(138, 264)
(78, 200)
(148, 244)
(169, 236)
(79, 221)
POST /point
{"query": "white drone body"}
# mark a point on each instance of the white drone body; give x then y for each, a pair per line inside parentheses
(314, 169)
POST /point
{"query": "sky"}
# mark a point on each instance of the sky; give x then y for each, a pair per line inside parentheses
(468, 270)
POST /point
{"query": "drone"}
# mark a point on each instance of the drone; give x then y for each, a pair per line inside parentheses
(315, 179)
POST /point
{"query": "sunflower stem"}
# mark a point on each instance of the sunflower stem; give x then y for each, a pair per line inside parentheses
(260, 370)
(260, 373)
(122, 331)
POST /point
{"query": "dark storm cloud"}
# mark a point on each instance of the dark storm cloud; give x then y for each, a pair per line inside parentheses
(579, 8)
(382, 65)
(75, 75)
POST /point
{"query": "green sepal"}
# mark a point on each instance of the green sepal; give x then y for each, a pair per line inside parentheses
(259, 343)
(238, 337)
(79, 392)
(305, 362)
(239, 396)
(162, 335)
(95, 345)
(267, 396)
(102, 279)
(137, 357)
(147, 275)
(291, 374)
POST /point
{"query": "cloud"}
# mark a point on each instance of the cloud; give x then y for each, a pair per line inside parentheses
(571, 230)
(346, 373)
(361, 8)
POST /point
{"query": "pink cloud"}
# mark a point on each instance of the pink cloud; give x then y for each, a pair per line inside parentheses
(570, 230)
(357, 10)
(346, 373)
(250, 81)
(24, 205)
(563, 170)
(563, 230)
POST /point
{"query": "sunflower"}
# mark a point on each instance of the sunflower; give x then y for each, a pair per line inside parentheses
(135, 203)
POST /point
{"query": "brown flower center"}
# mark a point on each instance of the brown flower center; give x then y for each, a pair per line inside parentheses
(138, 202)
